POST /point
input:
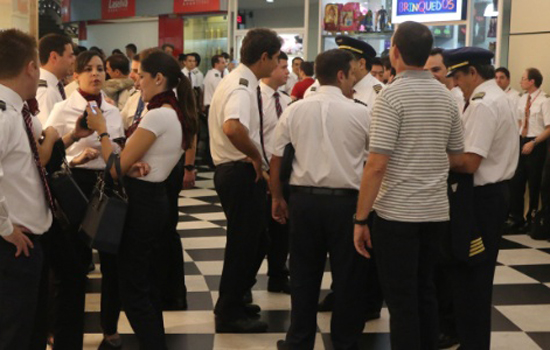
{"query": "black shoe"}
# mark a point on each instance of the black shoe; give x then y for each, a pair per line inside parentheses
(240, 325)
(247, 299)
(327, 303)
(372, 316)
(177, 304)
(111, 344)
(252, 310)
(275, 285)
(513, 226)
(446, 341)
(281, 345)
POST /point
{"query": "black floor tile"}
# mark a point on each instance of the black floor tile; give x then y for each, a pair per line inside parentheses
(541, 338)
(200, 209)
(213, 282)
(187, 218)
(209, 199)
(520, 294)
(539, 272)
(499, 323)
(278, 321)
(191, 269)
(199, 301)
(546, 250)
(174, 341)
(507, 244)
(206, 254)
(371, 341)
(220, 222)
(93, 285)
(202, 232)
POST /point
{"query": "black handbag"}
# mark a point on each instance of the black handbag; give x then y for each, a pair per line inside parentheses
(286, 164)
(103, 223)
(71, 201)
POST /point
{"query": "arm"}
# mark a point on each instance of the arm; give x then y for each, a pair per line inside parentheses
(466, 163)
(46, 147)
(279, 209)
(189, 175)
(238, 135)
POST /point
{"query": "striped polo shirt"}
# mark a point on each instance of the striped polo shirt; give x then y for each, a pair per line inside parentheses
(416, 122)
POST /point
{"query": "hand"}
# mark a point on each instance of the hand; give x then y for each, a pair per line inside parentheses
(109, 100)
(258, 168)
(361, 240)
(87, 155)
(528, 148)
(20, 241)
(79, 132)
(189, 179)
(279, 210)
(139, 169)
(96, 122)
(51, 133)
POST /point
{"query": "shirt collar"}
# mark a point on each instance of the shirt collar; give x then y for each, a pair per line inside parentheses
(266, 89)
(11, 98)
(483, 87)
(247, 73)
(367, 81)
(330, 89)
(48, 77)
(417, 74)
(535, 93)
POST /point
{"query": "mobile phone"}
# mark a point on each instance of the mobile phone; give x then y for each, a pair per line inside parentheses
(84, 120)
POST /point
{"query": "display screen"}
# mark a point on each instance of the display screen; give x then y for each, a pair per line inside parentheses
(426, 10)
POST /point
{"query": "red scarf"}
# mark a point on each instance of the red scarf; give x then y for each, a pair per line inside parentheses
(33, 106)
(164, 98)
(89, 97)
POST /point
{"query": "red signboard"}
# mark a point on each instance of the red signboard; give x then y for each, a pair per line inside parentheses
(66, 10)
(111, 9)
(196, 6)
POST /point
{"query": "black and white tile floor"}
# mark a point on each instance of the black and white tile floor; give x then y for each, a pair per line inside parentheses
(521, 313)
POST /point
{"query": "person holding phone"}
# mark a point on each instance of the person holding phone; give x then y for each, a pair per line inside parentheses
(73, 255)
(155, 144)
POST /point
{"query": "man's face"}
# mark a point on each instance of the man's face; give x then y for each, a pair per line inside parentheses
(378, 72)
(465, 81)
(525, 83)
(169, 50)
(436, 66)
(386, 76)
(220, 66)
(67, 60)
(296, 66)
(134, 73)
(130, 53)
(348, 82)
(502, 80)
(280, 74)
(190, 62)
(269, 64)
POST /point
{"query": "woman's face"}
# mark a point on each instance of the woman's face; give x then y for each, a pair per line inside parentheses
(92, 78)
(150, 86)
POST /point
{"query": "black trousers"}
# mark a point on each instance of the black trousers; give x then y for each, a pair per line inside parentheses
(473, 285)
(321, 224)
(244, 203)
(529, 170)
(170, 252)
(146, 217)
(406, 254)
(277, 252)
(204, 138)
(19, 288)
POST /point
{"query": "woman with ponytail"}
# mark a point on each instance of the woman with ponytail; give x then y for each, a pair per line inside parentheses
(154, 146)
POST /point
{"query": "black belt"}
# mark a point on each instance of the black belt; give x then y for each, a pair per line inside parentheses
(324, 191)
(234, 163)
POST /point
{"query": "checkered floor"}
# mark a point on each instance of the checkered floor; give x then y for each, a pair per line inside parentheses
(521, 315)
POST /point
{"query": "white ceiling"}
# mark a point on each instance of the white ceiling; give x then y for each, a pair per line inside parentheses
(262, 4)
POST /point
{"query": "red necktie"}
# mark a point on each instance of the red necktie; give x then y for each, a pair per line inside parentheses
(278, 107)
(32, 142)
(260, 107)
(525, 129)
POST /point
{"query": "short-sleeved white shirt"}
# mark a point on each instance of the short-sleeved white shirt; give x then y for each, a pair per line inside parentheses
(367, 89)
(539, 117)
(235, 98)
(47, 94)
(211, 81)
(312, 89)
(270, 115)
(490, 131)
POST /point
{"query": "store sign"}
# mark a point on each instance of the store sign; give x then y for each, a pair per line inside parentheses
(111, 9)
(427, 10)
(197, 6)
(66, 11)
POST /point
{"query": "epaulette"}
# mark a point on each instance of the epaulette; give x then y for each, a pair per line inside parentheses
(313, 89)
(377, 88)
(243, 82)
(42, 83)
(547, 95)
(360, 102)
(216, 75)
(521, 94)
(284, 92)
(2, 105)
(292, 102)
(478, 96)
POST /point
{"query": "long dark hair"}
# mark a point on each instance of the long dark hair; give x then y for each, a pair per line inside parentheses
(163, 63)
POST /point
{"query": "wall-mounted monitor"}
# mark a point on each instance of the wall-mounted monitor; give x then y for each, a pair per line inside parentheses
(426, 10)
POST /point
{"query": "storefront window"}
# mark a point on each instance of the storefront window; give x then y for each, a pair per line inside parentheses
(449, 37)
(206, 35)
(484, 24)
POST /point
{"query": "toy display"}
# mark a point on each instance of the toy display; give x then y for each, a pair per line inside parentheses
(332, 17)
(358, 17)
(349, 18)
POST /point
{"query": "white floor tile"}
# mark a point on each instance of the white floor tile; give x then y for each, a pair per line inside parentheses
(203, 242)
(512, 257)
(185, 202)
(196, 284)
(207, 184)
(529, 318)
(189, 322)
(327, 280)
(508, 275)
(210, 216)
(193, 225)
(512, 341)
(254, 341)
(528, 241)
(91, 341)
(95, 273)
(210, 268)
(208, 175)
(198, 192)
(93, 302)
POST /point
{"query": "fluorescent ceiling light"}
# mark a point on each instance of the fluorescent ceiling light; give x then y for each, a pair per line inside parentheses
(490, 11)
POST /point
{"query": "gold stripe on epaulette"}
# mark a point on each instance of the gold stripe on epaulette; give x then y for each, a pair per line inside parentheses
(476, 246)
(346, 47)
(476, 252)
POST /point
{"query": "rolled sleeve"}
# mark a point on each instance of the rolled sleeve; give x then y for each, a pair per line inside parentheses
(384, 128)
(238, 107)
(456, 138)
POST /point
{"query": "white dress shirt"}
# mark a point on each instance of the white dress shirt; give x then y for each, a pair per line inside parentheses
(63, 119)
(200, 77)
(512, 94)
(47, 96)
(235, 98)
(329, 133)
(211, 82)
(367, 89)
(539, 117)
(22, 198)
(71, 87)
(292, 80)
(130, 108)
(312, 89)
(459, 98)
(270, 115)
(490, 131)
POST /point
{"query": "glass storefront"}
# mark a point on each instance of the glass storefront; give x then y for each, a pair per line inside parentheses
(206, 35)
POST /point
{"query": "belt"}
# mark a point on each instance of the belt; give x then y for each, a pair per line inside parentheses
(234, 163)
(324, 191)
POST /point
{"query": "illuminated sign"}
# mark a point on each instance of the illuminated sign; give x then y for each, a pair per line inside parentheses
(426, 10)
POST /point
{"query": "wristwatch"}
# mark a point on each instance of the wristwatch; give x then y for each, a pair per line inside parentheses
(363, 222)
(189, 167)
(102, 135)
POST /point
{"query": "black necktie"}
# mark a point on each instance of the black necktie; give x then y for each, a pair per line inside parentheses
(466, 106)
(190, 79)
(278, 107)
(61, 89)
(260, 107)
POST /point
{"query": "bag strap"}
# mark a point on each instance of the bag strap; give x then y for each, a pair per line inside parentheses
(114, 160)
